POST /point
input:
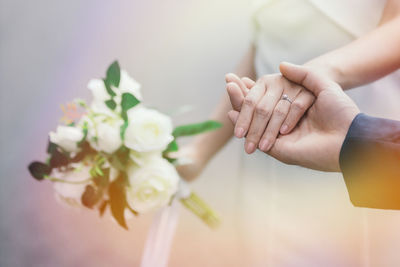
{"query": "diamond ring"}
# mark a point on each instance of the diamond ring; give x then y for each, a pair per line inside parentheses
(286, 97)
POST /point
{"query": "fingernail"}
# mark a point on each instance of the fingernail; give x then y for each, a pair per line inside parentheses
(239, 132)
(264, 145)
(284, 129)
(250, 147)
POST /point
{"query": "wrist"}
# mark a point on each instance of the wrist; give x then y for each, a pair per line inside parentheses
(328, 69)
(200, 153)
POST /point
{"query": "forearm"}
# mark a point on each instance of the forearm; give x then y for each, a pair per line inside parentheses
(210, 143)
(370, 162)
(366, 59)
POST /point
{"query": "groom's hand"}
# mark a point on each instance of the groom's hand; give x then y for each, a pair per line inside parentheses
(317, 140)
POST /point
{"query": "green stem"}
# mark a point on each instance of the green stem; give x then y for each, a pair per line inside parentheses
(195, 204)
(54, 179)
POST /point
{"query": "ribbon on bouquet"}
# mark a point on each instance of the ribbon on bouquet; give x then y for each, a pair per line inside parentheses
(160, 236)
(159, 239)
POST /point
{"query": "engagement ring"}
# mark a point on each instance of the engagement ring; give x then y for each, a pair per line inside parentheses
(286, 97)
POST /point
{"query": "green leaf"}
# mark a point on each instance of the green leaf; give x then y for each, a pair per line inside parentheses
(123, 129)
(38, 170)
(170, 160)
(80, 102)
(113, 74)
(196, 128)
(108, 88)
(99, 171)
(128, 101)
(85, 133)
(172, 147)
(91, 196)
(51, 147)
(116, 192)
(111, 104)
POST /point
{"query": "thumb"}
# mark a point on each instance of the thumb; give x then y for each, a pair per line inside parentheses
(303, 76)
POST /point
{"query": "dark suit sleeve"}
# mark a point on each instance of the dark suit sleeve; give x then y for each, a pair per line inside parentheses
(370, 162)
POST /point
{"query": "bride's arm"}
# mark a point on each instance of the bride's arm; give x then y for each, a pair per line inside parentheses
(206, 145)
(368, 58)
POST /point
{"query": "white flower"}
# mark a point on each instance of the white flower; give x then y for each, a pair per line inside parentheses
(128, 85)
(71, 193)
(142, 158)
(148, 130)
(100, 95)
(103, 132)
(98, 89)
(67, 137)
(152, 185)
(108, 138)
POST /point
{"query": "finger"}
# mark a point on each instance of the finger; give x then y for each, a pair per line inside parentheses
(257, 128)
(303, 76)
(297, 110)
(278, 117)
(261, 117)
(262, 114)
(233, 116)
(231, 77)
(248, 106)
(235, 95)
(248, 82)
(282, 150)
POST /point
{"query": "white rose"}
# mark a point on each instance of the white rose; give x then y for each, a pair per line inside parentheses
(67, 137)
(100, 95)
(71, 193)
(103, 132)
(148, 130)
(108, 136)
(152, 185)
(142, 158)
(128, 85)
(98, 89)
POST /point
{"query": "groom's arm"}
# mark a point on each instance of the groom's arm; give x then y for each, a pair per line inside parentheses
(370, 162)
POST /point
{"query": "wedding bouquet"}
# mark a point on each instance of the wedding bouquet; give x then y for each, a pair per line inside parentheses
(114, 152)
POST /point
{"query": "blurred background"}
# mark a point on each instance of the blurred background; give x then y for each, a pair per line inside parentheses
(179, 51)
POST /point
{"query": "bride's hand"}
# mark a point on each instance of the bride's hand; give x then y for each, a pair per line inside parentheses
(192, 163)
(263, 112)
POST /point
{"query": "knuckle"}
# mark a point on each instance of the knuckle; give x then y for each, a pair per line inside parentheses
(298, 106)
(279, 111)
(249, 101)
(262, 111)
(310, 96)
(252, 137)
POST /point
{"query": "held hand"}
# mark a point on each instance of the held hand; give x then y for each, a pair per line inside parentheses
(317, 140)
(264, 114)
(196, 154)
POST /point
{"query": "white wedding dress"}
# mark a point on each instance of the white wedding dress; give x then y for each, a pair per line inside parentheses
(291, 216)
